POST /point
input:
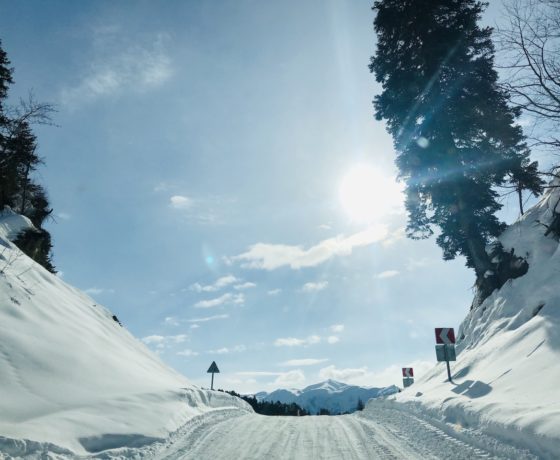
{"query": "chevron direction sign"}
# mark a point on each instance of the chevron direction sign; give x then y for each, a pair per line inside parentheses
(407, 372)
(408, 376)
(445, 335)
(445, 348)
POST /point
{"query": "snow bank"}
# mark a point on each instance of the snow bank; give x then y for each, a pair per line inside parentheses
(71, 376)
(507, 373)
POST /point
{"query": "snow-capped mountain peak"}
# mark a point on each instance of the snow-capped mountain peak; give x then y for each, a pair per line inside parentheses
(336, 397)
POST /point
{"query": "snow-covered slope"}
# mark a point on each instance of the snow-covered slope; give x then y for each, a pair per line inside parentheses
(70, 375)
(337, 397)
(507, 373)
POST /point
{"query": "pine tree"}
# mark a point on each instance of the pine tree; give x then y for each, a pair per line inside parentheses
(454, 133)
(18, 160)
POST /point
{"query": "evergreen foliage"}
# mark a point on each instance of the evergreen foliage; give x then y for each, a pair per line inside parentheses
(270, 408)
(453, 130)
(18, 161)
(360, 405)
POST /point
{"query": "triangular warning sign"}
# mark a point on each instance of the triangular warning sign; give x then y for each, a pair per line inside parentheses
(213, 368)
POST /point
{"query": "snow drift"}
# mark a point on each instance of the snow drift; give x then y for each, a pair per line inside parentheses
(72, 376)
(507, 373)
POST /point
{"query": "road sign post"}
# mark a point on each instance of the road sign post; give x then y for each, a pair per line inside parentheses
(408, 376)
(213, 369)
(445, 348)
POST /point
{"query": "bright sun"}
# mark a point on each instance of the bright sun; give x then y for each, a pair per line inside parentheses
(368, 195)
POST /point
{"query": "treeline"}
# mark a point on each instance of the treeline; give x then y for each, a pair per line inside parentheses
(18, 161)
(270, 408)
(278, 408)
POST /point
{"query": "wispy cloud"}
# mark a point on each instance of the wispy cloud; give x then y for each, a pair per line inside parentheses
(387, 274)
(337, 328)
(266, 256)
(243, 286)
(390, 375)
(294, 342)
(274, 291)
(181, 202)
(228, 298)
(220, 283)
(163, 341)
(283, 379)
(345, 375)
(188, 353)
(117, 66)
(207, 318)
(289, 379)
(332, 339)
(171, 321)
(314, 287)
(227, 350)
(303, 362)
(98, 291)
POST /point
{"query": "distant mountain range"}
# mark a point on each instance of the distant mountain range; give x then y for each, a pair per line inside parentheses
(336, 397)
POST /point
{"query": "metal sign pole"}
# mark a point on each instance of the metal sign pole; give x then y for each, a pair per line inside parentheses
(212, 370)
(447, 362)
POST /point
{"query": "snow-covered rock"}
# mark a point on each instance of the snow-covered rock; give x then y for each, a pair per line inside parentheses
(71, 378)
(336, 397)
(507, 373)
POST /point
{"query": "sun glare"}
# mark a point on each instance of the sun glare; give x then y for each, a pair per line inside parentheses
(368, 195)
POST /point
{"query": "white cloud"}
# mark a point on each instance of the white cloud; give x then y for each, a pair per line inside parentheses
(314, 287)
(163, 341)
(117, 67)
(293, 342)
(337, 328)
(98, 291)
(274, 291)
(257, 373)
(171, 321)
(345, 375)
(272, 256)
(332, 339)
(394, 237)
(324, 227)
(207, 318)
(220, 283)
(387, 274)
(187, 353)
(194, 326)
(226, 350)
(180, 202)
(243, 286)
(289, 379)
(303, 362)
(63, 216)
(229, 298)
(391, 375)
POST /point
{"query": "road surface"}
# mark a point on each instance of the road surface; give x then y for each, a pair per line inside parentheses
(383, 433)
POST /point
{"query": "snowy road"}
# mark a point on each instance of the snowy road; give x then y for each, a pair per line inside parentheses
(384, 434)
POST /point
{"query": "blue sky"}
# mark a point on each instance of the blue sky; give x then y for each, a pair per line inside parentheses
(196, 173)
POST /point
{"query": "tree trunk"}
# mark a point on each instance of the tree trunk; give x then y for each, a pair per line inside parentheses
(520, 196)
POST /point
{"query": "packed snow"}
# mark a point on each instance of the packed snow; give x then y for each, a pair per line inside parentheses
(336, 397)
(71, 376)
(507, 373)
